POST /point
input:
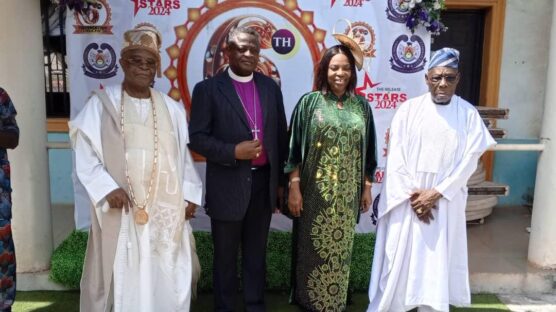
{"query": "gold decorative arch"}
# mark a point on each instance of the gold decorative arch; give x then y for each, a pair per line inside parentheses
(199, 17)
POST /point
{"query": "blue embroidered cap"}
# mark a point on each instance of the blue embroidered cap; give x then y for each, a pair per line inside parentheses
(445, 57)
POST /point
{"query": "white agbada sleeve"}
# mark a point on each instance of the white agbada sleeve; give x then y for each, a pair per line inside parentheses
(192, 184)
(478, 140)
(91, 171)
(86, 142)
(399, 182)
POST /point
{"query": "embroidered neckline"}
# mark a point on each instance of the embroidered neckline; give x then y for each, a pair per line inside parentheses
(339, 102)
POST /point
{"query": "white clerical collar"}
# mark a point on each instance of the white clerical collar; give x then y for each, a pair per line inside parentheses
(239, 78)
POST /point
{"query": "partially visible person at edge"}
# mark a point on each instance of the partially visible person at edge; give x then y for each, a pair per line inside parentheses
(9, 138)
(238, 124)
(132, 158)
(436, 140)
(331, 164)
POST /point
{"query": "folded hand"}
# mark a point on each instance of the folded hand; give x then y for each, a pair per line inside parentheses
(423, 201)
(118, 199)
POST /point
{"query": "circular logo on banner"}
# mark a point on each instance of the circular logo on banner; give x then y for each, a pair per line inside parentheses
(99, 62)
(398, 10)
(408, 54)
(94, 19)
(364, 35)
(283, 41)
(282, 27)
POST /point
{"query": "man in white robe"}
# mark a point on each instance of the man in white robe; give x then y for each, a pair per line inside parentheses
(436, 139)
(132, 158)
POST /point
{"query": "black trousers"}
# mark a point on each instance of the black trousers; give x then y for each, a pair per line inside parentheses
(252, 233)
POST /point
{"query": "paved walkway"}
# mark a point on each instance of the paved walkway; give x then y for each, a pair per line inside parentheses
(530, 303)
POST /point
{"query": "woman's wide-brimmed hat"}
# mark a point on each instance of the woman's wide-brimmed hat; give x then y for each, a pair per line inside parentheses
(349, 41)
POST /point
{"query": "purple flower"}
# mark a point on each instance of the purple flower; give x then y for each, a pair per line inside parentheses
(433, 27)
(427, 14)
(423, 15)
(411, 23)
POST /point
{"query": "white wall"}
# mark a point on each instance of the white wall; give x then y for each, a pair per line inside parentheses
(524, 66)
(22, 76)
(543, 222)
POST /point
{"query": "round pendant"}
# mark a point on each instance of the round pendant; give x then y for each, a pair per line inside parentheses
(340, 105)
(141, 217)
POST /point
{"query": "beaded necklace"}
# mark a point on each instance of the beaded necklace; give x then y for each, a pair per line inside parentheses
(141, 215)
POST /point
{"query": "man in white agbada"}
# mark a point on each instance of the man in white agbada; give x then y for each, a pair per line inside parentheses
(132, 157)
(436, 139)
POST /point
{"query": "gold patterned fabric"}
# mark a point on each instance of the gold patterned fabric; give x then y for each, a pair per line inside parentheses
(334, 150)
(166, 208)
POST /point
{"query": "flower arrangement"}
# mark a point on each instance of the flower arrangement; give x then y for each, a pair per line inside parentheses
(425, 13)
(77, 5)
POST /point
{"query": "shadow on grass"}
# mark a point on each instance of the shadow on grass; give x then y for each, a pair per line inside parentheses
(278, 302)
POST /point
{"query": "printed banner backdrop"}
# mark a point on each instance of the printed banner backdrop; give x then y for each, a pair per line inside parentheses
(294, 34)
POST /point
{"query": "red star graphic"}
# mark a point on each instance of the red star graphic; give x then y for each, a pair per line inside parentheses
(367, 83)
(136, 7)
(332, 3)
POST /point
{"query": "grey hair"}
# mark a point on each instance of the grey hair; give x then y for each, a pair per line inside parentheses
(232, 36)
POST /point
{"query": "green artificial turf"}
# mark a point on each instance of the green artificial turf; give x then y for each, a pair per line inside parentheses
(46, 301)
(483, 303)
(64, 301)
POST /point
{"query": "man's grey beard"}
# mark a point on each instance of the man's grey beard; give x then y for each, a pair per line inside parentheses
(442, 103)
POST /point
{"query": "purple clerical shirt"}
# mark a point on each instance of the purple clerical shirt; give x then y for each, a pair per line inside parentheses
(251, 104)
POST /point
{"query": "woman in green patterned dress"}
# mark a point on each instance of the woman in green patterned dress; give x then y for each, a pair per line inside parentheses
(330, 165)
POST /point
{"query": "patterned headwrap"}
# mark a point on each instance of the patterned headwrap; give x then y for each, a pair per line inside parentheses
(146, 37)
(445, 57)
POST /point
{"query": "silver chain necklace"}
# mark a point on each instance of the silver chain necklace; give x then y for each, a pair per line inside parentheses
(253, 123)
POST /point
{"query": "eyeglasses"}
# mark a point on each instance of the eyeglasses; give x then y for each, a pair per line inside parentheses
(450, 79)
(139, 62)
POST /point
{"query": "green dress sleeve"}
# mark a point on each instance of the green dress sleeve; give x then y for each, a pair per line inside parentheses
(295, 132)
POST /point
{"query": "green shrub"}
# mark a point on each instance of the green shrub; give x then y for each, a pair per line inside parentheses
(67, 260)
(66, 264)
(204, 252)
(361, 259)
(278, 260)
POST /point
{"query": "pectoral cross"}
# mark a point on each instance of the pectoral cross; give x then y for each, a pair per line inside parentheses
(256, 132)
